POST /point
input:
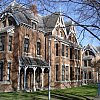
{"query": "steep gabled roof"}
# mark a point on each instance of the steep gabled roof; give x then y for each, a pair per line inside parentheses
(98, 48)
(68, 25)
(92, 48)
(20, 12)
(50, 21)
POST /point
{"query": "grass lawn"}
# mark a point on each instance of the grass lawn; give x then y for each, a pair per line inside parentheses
(76, 93)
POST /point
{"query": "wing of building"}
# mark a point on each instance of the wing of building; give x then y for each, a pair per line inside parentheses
(91, 64)
(31, 44)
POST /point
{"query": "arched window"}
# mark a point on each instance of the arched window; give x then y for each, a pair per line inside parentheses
(38, 47)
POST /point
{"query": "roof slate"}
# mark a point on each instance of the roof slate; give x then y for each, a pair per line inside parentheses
(50, 21)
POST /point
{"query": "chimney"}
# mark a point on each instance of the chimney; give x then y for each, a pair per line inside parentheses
(34, 9)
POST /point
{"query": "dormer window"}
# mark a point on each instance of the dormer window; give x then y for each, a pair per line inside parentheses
(38, 47)
(26, 45)
(34, 25)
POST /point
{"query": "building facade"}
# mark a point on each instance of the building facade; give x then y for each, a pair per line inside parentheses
(90, 70)
(32, 45)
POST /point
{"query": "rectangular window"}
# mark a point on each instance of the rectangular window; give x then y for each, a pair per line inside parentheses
(34, 25)
(56, 72)
(8, 71)
(63, 73)
(26, 45)
(89, 62)
(66, 51)
(1, 71)
(71, 53)
(78, 54)
(10, 43)
(66, 72)
(38, 48)
(2, 42)
(62, 49)
(56, 49)
(76, 72)
(90, 76)
(75, 53)
(85, 63)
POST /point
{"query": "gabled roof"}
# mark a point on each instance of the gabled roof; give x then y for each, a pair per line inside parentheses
(68, 25)
(98, 48)
(20, 12)
(92, 48)
(50, 21)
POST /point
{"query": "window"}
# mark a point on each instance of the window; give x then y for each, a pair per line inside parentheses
(71, 53)
(90, 75)
(62, 49)
(66, 51)
(85, 63)
(75, 53)
(56, 72)
(86, 52)
(33, 25)
(78, 54)
(38, 48)
(1, 71)
(66, 72)
(85, 75)
(8, 71)
(2, 43)
(10, 43)
(89, 62)
(56, 49)
(63, 73)
(26, 45)
(78, 73)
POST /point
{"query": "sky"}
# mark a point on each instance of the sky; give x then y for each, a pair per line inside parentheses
(67, 8)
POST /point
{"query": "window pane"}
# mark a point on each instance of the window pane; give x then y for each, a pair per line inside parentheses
(2, 42)
(26, 45)
(38, 48)
(10, 43)
(62, 50)
(66, 51)
(1, 71)
(63, 72)
(8, 71)
(56, 72)
(56, 49)
(66, 72)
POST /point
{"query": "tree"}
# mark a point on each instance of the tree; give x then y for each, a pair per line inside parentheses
(87, 12)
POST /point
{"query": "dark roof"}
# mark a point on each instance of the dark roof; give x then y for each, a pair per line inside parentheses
(28, 61)
(92, 48)
(98, 48)
(20, 13)
(50, 21)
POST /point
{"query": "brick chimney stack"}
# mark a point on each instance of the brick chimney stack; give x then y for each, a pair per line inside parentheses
(34, 9)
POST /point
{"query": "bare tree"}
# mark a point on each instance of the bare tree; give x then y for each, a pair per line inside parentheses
(85, 13)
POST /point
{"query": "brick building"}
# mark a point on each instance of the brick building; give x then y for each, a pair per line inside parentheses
(31, 44)
(90, 71)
